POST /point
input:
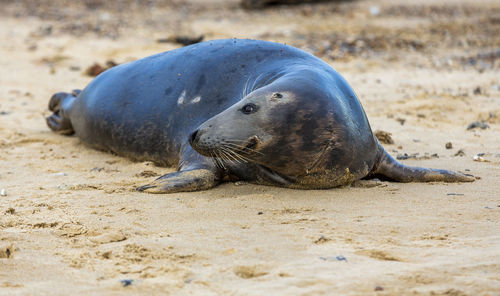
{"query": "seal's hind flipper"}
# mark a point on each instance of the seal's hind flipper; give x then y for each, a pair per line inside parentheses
(182, 181)
(60, 103)
(388, 167)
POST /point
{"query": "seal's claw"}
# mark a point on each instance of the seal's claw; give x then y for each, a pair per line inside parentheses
(467, 178)
(144, 187)
(182, 181)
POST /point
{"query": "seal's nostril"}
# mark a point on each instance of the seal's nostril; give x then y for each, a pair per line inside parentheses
(192, 138)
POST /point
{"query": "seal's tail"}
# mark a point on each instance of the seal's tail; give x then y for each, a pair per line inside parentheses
(60, 103)
(388, 167)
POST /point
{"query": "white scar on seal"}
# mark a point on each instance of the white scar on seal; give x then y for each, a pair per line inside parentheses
(181, 98)
(196, 100)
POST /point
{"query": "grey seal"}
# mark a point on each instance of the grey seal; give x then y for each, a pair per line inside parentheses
(233, 109)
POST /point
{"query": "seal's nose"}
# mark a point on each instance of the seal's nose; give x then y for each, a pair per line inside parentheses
(193, 139)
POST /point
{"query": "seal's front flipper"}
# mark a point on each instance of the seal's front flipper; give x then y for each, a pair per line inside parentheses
(196, 172)
(60, 103)
(387, 166)
(182, 181)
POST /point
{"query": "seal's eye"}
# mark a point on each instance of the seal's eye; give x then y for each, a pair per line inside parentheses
(277, 95)
(249, 108)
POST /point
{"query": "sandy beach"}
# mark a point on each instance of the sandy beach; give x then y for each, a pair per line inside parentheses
(71, 222)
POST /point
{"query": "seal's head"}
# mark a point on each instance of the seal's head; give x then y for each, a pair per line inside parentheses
(288, 126)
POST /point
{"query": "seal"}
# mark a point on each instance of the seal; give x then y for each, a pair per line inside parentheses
(233, 109)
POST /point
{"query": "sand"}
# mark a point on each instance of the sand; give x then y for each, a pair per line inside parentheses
(71, 222)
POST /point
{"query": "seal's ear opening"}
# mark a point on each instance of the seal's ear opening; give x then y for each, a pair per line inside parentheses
(275, 97)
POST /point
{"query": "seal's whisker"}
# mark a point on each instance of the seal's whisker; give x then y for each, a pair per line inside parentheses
(255, 82)
(220, 155)
(245, 89)
(217, 160)
(233, 145)
(241, 157)
(237, 158)
(236, 141)
(243, 148)
(231, 157)
(227, 156)
(237, 155)
(214, 159)
(222, 159)
(224, 152)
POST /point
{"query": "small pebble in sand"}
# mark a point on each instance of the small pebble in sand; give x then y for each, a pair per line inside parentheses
(62, 187)
(341, 258)
(3, 192)
(374, 10)
(336, 258)
(97, 69)
(384, 137)
(6, 251)
(401, 120)
(321, 240)
(147, 174)
(61, 174)
(479, 157)
(403, 156)
(379, 288)
(126, 282)
(448, 145)
(108, 237)
(478, 124)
